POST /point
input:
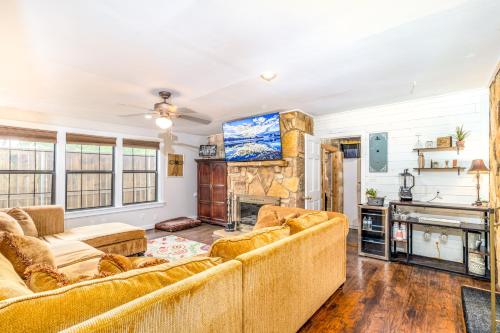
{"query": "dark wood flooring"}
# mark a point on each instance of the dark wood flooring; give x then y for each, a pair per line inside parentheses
(379, 296)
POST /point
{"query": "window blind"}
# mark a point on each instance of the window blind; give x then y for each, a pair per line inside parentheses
(84, 139)
(30, 134)
(141, 144)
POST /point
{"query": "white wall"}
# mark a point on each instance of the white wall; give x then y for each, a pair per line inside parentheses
(177, 195)
(430, 117)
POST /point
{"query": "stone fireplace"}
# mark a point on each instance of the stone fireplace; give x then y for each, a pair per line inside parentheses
(246, 207)
(279, 182)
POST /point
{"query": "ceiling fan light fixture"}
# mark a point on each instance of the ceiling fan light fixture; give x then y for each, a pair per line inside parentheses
(163, 122)
(268, 76)
(148, 116)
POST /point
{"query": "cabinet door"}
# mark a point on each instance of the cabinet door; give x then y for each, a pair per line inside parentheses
(219, 192)
(204, 191)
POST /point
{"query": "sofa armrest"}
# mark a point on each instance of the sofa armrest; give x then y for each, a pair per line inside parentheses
(49, 220)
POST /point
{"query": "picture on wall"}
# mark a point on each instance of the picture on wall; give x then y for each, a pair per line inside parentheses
(253, 139)
(378, 152)
(175, 165)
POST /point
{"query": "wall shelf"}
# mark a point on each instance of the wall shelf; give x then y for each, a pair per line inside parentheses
(456, 148)
(458, 170)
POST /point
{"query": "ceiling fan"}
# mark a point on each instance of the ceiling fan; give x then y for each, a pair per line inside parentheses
(164, 112)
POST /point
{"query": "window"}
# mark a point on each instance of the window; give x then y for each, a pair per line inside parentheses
(140, 173)
(89, 172)
(26, 173)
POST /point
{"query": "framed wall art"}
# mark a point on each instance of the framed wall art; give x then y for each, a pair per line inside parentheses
(175, 165)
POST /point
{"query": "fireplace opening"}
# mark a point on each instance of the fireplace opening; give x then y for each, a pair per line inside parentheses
(248, 213)
(246, 207)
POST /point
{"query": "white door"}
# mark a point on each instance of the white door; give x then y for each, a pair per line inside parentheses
(312, 177)
(351, 190)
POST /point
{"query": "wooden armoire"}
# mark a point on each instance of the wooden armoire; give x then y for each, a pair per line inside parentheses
(212, 191)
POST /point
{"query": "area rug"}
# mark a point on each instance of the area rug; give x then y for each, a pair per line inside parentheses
(476, 305)
(174, 248)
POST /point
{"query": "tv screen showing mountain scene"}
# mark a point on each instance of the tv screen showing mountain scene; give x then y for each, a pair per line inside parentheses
(253, 139)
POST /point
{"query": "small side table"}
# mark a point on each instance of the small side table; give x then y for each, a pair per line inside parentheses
(221, 233)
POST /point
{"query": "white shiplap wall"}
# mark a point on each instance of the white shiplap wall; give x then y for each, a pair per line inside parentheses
(430, 117)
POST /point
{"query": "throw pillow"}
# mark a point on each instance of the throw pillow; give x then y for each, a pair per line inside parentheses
(24, 251)
(231, 247)
(306, 221)
(111, 264)
(273, 220)
(42, 277)
(9, 224)
(25, 221)
(11, 285)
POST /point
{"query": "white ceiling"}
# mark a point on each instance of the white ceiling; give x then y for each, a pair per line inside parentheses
(83, 58)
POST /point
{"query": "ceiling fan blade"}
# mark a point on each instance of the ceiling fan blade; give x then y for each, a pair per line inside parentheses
(184, 110)
(133, 115)
(195, 119)
(135, 106)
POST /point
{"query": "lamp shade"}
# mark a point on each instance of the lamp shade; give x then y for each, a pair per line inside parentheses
(478, 166)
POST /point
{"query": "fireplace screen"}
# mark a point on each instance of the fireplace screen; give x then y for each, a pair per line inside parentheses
(248, 212)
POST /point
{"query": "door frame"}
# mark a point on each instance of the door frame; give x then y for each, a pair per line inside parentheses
(363, 135)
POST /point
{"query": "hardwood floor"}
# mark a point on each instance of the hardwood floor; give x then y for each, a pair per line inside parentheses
(379, 296)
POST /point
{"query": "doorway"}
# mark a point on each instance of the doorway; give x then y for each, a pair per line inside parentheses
(341, 181)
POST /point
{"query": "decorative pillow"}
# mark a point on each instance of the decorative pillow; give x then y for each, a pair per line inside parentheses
(41, 277)
(24, 251)
(272, 220)
(25, 221)
(11, 285)
(9, 224)
(111, 264)
(231, 247)
(306, 221)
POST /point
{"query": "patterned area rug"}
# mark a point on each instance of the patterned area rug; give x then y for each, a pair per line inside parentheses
(174, 248)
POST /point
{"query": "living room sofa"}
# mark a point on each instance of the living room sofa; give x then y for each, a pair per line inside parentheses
(273, 288)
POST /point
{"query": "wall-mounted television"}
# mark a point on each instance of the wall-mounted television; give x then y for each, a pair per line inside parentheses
(253, 139)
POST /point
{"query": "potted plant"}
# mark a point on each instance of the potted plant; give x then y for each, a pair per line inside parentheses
(372, 199)
(460, 135)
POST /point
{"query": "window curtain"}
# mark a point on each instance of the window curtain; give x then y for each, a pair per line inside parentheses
(83, 139)
(30, 134)
(141, 144)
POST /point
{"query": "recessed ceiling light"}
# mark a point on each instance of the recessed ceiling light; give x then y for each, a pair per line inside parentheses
(148, 116)
(268, 76)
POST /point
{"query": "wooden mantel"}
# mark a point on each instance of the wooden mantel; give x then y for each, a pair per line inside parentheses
(281, 163)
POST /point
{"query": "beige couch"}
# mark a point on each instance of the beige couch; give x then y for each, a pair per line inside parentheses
(274, 288)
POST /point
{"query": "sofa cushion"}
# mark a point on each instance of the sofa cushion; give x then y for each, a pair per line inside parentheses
(306, 221)
(9, 224)
(67, 252)
(11, 285)
(24, 251)
(231, 247)
(25, 221)
(86, 267)
(102, 234)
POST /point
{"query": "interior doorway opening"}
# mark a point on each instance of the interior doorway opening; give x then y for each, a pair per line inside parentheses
(341, 176)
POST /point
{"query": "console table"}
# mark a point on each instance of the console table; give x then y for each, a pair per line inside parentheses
(402, 243)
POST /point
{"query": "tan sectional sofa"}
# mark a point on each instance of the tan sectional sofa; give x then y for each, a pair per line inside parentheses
(274, 288)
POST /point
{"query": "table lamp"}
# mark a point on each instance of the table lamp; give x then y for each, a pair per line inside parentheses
(478, 167)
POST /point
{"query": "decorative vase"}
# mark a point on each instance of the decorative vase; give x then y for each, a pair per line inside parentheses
(461, 144)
